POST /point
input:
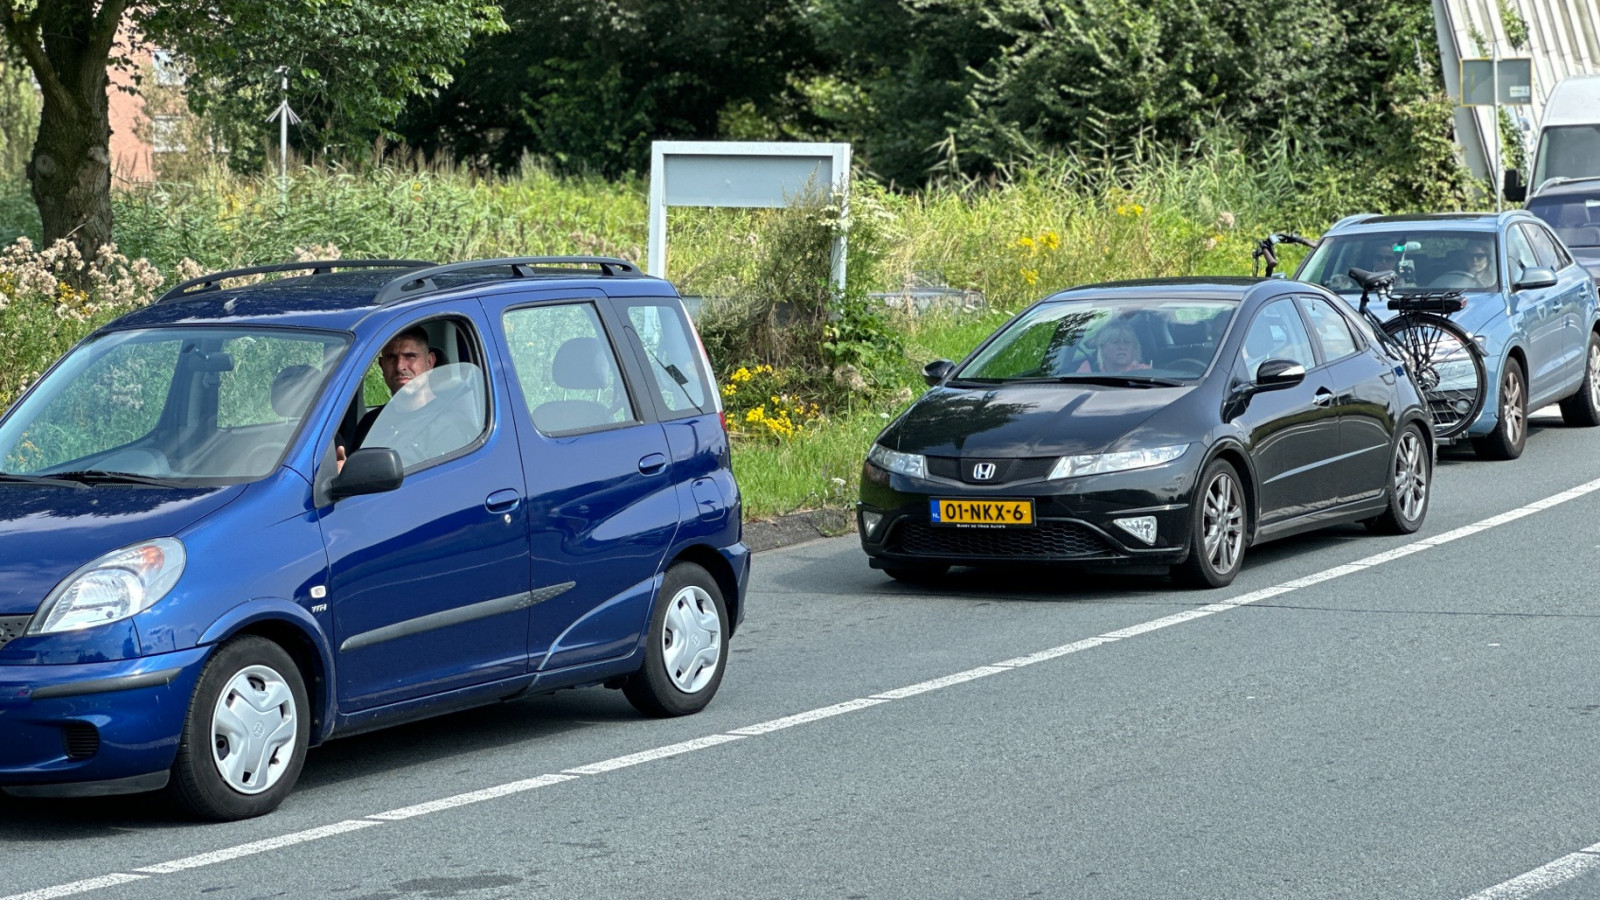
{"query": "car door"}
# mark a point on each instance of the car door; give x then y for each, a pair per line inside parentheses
(1363, 387)
(428, 583)
(602, 508)
(1572, 291)
(1293, 432)
(1538, 313)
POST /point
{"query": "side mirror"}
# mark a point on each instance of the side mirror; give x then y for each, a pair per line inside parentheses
(369, 471)
(1277, 374)
(937, 371)
(1513, 188)
(1535, 277)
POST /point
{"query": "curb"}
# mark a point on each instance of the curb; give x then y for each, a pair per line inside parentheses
(797, 528)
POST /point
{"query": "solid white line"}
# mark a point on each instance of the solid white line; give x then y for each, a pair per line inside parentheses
(1054, 652)
(250, 849)
(76, 887)
(1549, 875)
(489, 793)
(644, 756)
(803, 718)
(922, 687)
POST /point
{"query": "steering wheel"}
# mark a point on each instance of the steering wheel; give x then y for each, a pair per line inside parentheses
(1188, 367)
(1454, 279)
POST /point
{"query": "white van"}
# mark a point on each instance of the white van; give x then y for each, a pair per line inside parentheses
(1569, 137)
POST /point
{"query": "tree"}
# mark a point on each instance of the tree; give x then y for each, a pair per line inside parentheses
(361, 58)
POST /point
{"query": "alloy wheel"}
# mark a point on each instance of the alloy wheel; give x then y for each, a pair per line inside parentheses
(1223, 523)
(1511, 411)
(1411, 475)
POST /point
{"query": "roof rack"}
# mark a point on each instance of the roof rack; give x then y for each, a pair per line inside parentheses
(212, 282)
(415, 283)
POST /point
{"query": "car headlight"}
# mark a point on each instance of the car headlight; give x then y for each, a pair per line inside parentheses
(913, 464)
(1121, 461)
(115, 586)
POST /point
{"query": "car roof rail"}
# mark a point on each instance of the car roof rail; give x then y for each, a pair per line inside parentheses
(413, 284)
(213, 282)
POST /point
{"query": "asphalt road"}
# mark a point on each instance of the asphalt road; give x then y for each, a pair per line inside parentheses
(1357, 716)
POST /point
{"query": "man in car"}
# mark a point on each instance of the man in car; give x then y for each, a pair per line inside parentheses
(413, 422)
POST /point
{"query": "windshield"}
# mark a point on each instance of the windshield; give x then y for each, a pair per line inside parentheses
(1574, 217)
(1454, 260)
(185, 405)
(1567, 151)
(1146, 340)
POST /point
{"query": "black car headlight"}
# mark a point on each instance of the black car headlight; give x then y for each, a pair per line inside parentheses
(1120, 461)
(912, 464)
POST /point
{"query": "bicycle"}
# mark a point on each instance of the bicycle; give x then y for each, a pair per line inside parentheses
(1444, 362)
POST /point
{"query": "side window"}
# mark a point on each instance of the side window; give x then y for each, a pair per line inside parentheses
(1277, 333)
(567, 369)
(672, 355)
(1333, 330)
(1546, 249)
(435, 406)
(1519, 253)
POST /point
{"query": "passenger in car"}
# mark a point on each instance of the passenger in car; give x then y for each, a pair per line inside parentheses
(1117, 349)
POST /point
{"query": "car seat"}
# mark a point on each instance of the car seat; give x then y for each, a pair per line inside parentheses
(580, 365)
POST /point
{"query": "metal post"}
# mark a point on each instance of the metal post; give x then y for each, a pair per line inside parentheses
(1495, 169)
(285, 117)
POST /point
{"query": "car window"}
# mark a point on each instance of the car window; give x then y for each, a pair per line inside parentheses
(1519, 254)
(672, 356)
(566, 368)
(1080, 338)
(1333, 330)
(435, 407)
(1277, 333)
(1575, 217)
(1438, 260)
(1545, 248)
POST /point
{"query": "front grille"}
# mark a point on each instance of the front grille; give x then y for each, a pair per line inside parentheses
(1006, 471)
(11, 628)
(80, 739)
(1049, 540)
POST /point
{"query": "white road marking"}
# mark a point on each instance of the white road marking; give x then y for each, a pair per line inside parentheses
(1547, 876)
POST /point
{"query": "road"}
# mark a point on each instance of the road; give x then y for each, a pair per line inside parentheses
(1357, 716)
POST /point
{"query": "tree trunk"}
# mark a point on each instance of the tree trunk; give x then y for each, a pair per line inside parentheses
(71, 168)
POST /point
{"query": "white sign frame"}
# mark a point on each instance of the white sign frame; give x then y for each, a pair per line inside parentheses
(748, 174)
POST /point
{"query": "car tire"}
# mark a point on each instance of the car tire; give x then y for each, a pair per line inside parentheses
(686, 647)
(1582, 409)
(1510, 433)
(1410, 484)
(1218, 523)
(244, 740)
(916, 574)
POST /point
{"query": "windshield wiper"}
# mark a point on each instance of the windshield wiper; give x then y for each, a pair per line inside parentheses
(1143, 381)
(95, 476)
(39, 479)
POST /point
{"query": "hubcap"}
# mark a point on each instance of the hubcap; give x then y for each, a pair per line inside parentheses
(1511, 406)
(253, 730)
(1223, 523)
(691, 641)
(1411, 476)
(1594, 375)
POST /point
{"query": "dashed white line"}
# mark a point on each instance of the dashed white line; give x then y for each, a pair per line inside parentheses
(1550, 875)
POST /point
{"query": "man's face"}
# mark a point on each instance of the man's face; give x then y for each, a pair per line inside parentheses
(402, 360)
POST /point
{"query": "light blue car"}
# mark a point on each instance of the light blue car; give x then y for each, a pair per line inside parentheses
(1530, 307)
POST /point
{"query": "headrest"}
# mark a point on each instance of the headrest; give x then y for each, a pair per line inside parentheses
(291, 390)
(580, 365)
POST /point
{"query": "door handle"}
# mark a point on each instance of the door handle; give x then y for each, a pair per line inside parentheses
(652, 464)
(502, 501)
(1323, 397)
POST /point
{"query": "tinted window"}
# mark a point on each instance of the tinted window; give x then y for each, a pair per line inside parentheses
(1575, 218)
(1277, 333)
(672, 356)
(1567, 152)
(1333, 331)
(566, 367)
(1158, 337)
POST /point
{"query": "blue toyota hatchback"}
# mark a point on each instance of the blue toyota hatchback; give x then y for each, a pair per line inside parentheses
(1531, 308)
(247, 519)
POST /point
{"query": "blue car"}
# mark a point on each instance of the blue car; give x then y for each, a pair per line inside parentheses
(247, 519)
(1530, 307)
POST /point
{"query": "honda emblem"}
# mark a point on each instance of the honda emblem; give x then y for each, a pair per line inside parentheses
(983, 471)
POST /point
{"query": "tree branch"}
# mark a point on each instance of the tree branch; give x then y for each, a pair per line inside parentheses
(24, 34)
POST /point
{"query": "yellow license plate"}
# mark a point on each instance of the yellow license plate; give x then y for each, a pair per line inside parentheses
(982, 513)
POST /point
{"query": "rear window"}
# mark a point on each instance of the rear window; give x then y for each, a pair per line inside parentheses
(1575, 218)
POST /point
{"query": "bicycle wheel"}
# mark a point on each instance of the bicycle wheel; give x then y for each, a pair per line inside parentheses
(1446, 366)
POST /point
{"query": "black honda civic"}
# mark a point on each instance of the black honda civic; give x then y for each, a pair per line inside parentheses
(1172, 422)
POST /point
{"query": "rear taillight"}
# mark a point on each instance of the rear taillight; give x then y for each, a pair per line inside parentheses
(722, 416)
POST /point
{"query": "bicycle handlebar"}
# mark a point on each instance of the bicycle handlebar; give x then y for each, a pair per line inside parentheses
(1263, 249)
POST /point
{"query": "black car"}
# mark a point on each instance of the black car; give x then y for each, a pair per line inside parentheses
(1172, 422)
(1572, 207)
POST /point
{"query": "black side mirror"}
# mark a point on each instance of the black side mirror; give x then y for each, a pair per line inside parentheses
(1513, 188)
(1277, 374)
(937, 371)
(369, 471)
(1535, 277)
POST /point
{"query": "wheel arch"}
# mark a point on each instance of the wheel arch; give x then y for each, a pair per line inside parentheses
(290, 627)
(721, 571)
